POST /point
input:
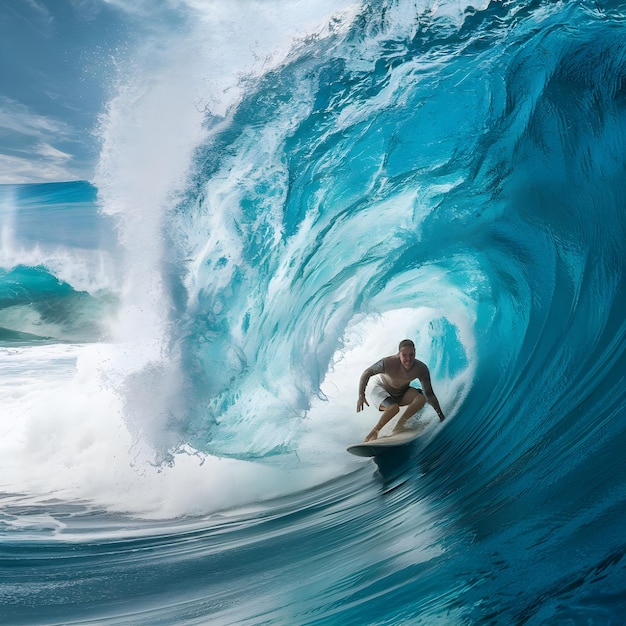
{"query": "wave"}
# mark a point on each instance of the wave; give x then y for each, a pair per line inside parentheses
(443, 173)
(35, 306)
(57, 277)
(406, 172)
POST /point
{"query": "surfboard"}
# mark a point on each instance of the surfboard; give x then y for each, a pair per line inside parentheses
(385, 444)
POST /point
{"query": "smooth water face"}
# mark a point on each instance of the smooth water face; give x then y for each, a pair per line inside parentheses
(182, 338)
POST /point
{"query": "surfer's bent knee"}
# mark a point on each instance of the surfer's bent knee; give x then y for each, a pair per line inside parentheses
(391, 406)
(414, 396)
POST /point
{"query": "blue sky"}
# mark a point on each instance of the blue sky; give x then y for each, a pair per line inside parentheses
(62, 61)
(57, 68)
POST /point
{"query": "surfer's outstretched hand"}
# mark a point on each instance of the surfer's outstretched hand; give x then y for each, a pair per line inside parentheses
(359, 405)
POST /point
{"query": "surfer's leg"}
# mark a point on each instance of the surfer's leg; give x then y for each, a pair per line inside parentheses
(414, 401)
(389, 412)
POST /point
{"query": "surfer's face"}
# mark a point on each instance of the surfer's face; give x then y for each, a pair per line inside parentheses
(407, 357)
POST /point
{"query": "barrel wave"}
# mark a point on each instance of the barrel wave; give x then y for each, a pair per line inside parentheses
(181, 369)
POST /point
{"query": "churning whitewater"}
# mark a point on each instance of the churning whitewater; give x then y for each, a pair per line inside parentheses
(281, 193)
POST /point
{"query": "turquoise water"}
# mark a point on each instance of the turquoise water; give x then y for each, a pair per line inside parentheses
(182, 337)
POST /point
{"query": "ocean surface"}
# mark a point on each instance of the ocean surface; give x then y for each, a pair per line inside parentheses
(271, 211)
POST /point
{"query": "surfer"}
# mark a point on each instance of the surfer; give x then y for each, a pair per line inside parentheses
(392, 389)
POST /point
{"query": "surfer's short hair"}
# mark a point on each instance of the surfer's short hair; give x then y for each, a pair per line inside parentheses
(406, 343)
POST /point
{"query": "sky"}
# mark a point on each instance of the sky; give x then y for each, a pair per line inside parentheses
(57, 67)
(62, 63)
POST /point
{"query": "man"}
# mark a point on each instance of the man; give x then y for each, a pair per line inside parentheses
(392, 389)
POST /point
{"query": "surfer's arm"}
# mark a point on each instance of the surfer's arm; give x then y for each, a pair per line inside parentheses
(432, 400)
(365, 376)
(377, 368)
(427, 388)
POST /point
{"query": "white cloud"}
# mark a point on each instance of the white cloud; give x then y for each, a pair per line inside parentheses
(18, 118)
(30, 149)
(17, 169)
(48, 151)
(147, 7)
(43, 19)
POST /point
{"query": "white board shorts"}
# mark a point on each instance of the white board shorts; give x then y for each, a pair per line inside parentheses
(379, 396)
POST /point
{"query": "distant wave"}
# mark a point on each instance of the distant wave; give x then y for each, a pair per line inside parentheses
(36, 306)
(57, 273)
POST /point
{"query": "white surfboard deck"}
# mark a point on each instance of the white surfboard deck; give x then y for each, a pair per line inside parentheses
(386, 443)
